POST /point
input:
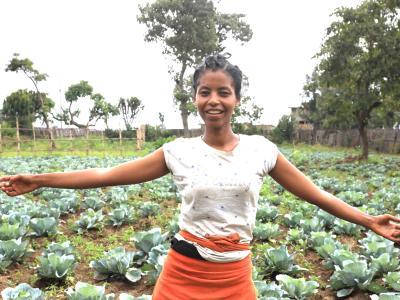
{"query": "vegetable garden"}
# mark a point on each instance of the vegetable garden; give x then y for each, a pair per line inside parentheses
(111, 243)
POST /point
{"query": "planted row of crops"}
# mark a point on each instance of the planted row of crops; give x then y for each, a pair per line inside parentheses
(48, 234)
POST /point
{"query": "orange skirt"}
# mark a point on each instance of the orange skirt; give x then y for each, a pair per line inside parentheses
(185, 278)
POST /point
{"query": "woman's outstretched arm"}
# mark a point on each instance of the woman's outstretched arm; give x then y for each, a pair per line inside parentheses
(139, 170)
(300, 185)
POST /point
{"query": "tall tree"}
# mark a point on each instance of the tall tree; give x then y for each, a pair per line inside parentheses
(25, 105)
(99, 108)
(26, 66)
(190, 30)
(359, 59)
(326, 107)
(129, 109)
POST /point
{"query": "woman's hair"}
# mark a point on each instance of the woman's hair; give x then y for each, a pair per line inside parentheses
(219, 62)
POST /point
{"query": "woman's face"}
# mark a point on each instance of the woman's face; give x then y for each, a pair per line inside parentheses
(215, 98)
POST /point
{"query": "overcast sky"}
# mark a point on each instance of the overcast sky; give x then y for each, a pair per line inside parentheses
(101, 42)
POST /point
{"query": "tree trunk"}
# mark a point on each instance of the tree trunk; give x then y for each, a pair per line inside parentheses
(44, 114)
(364, 141)
(184, 116)
(182, 105)
(49, 131)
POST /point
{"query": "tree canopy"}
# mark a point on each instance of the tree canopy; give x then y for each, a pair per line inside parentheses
(25, 105)
(99, 108)
(26, 66)
(129, 109)
(359, 67)
(190, 30)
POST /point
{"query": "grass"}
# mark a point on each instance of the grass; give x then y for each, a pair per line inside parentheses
(80, 146)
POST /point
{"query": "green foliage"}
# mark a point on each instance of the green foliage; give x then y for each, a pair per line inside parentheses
(353, 274)
(100, 109)
(94, 202)
(266, 231)
(374, 246)
(269, 291)
(146, 240)
(297, 288)
(157, 134)
(43, 104)
(64, 248)
(11, 231)
(317, 238)
(266, 213)
(155, 262)
(278, 260)
(392, 279)
(124, 296)
(284, 131)
(22, 292)
(86, 291)
(24, 104)
(385, 263)
(121, 215)
(129, 108)
(345, 227)
(55, 266)
(12, 251)
(386, 296)
(89, 220)
(247, 112)
(189, 31)
(147, 209)
(43, 226)
(359, 67)
(116, 262)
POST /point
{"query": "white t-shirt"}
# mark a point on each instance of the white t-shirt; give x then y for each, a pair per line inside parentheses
(219, 189)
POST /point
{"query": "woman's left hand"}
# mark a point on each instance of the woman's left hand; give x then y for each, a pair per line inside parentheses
(384, 226)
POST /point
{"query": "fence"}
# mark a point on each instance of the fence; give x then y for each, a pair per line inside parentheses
(71, 141)
(382, 140)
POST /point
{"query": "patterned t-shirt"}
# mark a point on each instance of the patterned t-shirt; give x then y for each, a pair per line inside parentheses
(219, 189)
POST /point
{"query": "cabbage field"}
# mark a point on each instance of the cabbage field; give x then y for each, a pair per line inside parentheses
(111, 243)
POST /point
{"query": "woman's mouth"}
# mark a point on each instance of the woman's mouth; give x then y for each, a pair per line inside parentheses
(214, 112)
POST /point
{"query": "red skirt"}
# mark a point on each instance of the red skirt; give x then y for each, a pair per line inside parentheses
(185, 278)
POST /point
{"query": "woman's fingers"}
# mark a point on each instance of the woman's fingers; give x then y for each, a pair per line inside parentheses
(5, 183)
(393, 218)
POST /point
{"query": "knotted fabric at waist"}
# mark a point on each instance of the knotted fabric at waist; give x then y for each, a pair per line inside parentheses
(220, 243)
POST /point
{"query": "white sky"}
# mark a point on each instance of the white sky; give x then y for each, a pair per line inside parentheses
(101, 42)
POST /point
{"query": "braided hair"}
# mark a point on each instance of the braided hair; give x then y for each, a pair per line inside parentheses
(219, 62)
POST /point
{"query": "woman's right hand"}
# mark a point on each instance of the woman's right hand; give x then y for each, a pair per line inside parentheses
(14, 185)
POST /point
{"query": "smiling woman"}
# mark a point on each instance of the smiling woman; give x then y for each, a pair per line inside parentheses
(217, 86)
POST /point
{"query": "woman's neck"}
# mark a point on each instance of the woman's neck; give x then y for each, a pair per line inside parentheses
(224, 139)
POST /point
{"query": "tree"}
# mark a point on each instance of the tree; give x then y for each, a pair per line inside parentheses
(284, 131)
(326, 107)
(129, 108)
(190, 30)
(26, 66)
(161, 117)
(26, 105)
(246, 112)
(359, 59)
(99, 109)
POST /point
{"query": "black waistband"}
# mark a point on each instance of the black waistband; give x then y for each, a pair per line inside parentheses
(185, 248)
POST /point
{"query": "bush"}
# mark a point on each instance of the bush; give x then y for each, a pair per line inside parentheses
(114, 134)
(284, 132)
(153, 133)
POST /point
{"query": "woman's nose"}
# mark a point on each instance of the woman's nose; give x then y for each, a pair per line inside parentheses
(214, 99)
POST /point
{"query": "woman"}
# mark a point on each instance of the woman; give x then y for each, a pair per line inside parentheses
(219, 176)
